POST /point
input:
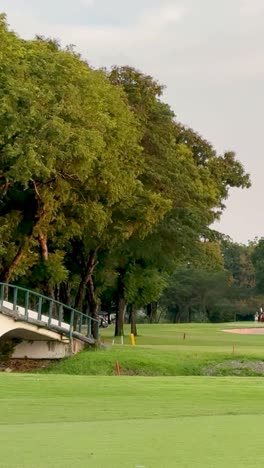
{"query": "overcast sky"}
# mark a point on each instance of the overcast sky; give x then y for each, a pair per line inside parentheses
(209, 54)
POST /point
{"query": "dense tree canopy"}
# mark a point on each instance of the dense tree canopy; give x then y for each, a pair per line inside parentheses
(104, 196)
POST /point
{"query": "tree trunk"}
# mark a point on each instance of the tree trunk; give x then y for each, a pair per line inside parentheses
(119, 325)
(64, 293)
(149, 312)
(159, 317)
(177, 314)
(8, 271)
(121, 307)
(109, 318)
(133, 320)
(152, 312)
(44, 253)
(86, 289)
(176, 317)
(85, 279)
(43, 243)
(93, 305)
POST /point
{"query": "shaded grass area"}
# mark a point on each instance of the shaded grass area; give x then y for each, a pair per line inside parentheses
(66, 421)
(161, 350)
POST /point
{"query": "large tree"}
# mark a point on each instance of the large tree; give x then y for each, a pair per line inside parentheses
(101, 189)
(185, 171)
(71, 159)
(69, 149)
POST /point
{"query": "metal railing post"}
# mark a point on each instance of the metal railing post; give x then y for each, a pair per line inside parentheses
(89, 327)
(96, 330)
(60, 314)
(50, 313)
(71, 322)
(40, 308)
(15, 299)
(2, 295)
(80, 323)
(26, 304)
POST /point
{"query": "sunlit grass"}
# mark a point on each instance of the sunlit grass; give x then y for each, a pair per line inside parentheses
(167, 350)
(115, 422)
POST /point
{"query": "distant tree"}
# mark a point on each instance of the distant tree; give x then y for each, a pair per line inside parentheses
(238, 261)
(194, 294)
(258, 262)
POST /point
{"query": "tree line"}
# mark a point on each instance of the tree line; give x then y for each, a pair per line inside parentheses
(231, 289)
(106, 199)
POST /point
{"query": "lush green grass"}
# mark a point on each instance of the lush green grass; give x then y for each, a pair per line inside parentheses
(161, 350)
(187, 422)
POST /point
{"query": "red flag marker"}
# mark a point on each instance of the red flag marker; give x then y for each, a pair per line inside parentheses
(117, 368)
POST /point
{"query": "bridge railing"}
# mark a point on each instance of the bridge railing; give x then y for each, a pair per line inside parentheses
(32, 306)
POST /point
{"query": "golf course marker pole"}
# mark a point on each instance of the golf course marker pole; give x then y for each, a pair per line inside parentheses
(117, 368)
(121, 340)
(132, 339)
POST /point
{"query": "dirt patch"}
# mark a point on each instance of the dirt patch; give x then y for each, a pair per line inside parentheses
(226, 368)
(246, 331)
(23, 365)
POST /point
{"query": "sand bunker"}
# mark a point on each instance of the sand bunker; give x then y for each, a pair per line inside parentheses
(246, 331)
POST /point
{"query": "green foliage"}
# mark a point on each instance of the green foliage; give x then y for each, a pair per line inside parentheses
(69, 148)
(196, 295)
(225, 170)
(143, 285)
(102, 193)
(220, 284)
(51, 272)
(237, 260)
(258, 262)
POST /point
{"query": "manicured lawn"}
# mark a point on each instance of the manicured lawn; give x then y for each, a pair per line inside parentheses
(199, 337)
(161, 350)
(114, 422)
(84, 420)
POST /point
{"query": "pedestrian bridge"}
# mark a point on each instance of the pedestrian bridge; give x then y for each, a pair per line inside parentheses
(34, 326)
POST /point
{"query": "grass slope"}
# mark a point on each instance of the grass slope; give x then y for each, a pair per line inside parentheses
(187, 422)
(161, 350)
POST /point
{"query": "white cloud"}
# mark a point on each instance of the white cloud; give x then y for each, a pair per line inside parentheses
(151, 23)
(165, 40)
(162, 16)
(251, 8)
(208, 52)
(107, 45)
(87, 3)
(162, 41)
